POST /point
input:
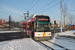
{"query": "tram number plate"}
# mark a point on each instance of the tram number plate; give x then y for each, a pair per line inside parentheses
(44, 34)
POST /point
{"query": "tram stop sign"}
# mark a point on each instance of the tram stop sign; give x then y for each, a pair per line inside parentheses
(69, 25)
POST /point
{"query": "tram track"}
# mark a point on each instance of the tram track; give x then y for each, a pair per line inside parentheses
(70, 40)
(46, 45)
(57, 45)
(52, 48)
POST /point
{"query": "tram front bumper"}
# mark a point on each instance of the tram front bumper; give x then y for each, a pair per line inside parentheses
(43, 38)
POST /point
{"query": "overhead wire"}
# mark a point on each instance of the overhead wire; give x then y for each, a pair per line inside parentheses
(33, 5)
(30, 4)
(44, 6)
(51, 6)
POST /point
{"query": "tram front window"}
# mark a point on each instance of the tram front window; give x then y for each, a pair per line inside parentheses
(43, 27)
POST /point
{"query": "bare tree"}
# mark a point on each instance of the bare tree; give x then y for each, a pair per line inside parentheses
(64, 13)
(71, 17)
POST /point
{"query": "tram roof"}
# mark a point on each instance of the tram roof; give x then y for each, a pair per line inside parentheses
(32, 19)
(38, 15)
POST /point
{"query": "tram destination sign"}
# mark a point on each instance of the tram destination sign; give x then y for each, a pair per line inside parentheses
(42, 19)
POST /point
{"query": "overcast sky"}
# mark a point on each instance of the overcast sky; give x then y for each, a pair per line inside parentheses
(16, 8)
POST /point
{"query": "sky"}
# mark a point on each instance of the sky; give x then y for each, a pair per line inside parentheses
(16, 8)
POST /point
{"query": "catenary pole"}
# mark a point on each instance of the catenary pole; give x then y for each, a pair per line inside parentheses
(61, 14)
(9, 21)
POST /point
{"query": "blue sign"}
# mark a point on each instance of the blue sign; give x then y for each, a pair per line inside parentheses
(69, 24)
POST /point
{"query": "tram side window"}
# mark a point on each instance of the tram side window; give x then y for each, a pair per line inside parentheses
(35, 26)
(25, 26)
(29, 26)
(22, 26)
(32, 26)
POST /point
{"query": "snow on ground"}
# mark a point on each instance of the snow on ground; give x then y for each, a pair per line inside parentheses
(29, 44)
(21, 44)
(55, 47)
(67, 39)
(64, 43)
(15, 29)
(67, 33)
(12, 29)
(8, 31)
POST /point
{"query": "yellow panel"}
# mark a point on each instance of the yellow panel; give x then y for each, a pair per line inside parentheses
(44, 34)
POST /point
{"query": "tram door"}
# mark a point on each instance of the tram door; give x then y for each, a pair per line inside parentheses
(25, 27)
(32, 29)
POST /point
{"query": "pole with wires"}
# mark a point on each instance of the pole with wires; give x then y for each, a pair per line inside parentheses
(61, 14)
(9, 22)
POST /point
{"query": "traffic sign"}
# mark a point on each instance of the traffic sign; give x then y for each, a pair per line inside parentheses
(69, 24)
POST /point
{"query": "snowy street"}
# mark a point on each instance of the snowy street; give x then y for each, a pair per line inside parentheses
(57, 43)
(21, 44)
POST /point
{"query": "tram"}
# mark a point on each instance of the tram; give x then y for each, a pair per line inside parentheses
(37, 27)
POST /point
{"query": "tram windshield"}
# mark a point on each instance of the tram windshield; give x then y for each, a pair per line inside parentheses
(43, 24)
(43, 27)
